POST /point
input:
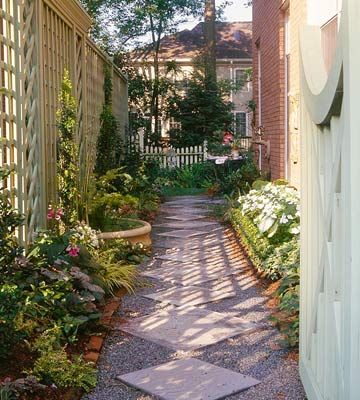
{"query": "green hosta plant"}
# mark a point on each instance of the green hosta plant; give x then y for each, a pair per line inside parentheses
(270, 215)
(275, 210)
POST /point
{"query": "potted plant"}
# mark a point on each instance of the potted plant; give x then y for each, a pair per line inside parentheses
(235, 147)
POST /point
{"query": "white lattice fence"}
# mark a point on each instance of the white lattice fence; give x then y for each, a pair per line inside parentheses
(13, 141)
(38, 40)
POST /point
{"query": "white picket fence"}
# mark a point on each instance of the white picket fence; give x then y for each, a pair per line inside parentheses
(169, 157)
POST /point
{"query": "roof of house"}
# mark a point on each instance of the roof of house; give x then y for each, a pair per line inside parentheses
(233, 41)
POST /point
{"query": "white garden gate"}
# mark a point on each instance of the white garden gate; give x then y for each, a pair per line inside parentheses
(330, 251)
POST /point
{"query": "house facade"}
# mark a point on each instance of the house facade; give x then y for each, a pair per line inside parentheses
(276, 77)
(276, 85)
(234, 59)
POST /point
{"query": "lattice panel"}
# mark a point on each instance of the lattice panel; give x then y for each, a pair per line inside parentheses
(57, 55)
(94, 92)
(11, 133)
(120, 102)
(39, 39)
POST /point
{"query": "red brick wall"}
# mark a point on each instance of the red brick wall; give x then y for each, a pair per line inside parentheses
(268, 32)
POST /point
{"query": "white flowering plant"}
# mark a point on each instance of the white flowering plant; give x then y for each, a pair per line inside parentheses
(275, 210)
(85, 235)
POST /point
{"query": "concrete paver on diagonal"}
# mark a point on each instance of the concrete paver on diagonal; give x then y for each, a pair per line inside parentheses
(204, 257)
(187, 328)
(188, 379)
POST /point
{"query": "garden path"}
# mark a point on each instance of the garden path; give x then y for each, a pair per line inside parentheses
(201, 331)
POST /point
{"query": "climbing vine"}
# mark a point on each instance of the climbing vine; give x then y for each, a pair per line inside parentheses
(109, 140)
(67, 153)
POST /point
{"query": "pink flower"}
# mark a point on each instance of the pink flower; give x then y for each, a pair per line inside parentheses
(228, 137)
(73, 251)
(51, 214)
(59, 214)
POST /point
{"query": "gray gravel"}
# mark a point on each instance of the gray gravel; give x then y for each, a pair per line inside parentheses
(259, 354)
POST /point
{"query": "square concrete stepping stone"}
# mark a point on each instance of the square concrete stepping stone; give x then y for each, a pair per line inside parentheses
(188, 275)
(187, 225)
(188, 379)
(181, 257)
(211, 241)
(187, 328)
(189, 296)
(185, 210)
(186, 217)
(183, 233)
(196, 277)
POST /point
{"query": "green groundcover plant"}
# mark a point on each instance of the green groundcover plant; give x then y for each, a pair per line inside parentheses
(53, 293)
(267, 219)
(231, 178)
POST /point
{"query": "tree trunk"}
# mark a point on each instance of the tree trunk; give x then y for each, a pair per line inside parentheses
(210, 42)
(154, 108)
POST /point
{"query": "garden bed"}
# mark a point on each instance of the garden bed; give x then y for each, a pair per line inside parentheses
(267, 222)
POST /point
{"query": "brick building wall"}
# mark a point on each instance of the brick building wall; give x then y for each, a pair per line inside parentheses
(298, 17)
(268, 41)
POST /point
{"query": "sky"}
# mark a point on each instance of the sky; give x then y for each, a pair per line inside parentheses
(235, 12)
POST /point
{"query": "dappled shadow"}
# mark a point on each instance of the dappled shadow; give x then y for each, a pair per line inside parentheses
(230, 331)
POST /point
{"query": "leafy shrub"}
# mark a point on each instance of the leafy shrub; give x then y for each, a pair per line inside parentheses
(10, 220)
(230, 178)
(267, 221)
(67, 153)
(119, 195)
(109, 140)
(257, 246)
(275, 210)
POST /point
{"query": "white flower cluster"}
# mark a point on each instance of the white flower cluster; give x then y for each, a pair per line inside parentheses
(273, 206)
(85, 235)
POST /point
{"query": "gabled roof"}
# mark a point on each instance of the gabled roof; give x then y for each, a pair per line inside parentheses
(233, 41)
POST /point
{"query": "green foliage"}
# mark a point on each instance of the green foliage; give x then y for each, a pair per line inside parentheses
(119, 194)
(109, 140)
(6, 393)
(54, 367)
(9, 221)
(257, 246)
(67, 153)
(231, 178)
(274, 252)
(202, 112)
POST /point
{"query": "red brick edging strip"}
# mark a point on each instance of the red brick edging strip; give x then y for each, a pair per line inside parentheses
(96, 342)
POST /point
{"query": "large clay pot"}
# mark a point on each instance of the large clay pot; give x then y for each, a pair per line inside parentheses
(134, 236)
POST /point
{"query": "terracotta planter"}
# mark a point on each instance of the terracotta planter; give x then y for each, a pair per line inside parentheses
(135, 235)
(235, 153)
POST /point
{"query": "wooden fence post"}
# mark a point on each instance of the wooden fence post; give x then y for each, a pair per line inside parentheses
(205, 150)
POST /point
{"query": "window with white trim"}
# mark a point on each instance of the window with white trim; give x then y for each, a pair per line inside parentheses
(241, 77)
(241, 123)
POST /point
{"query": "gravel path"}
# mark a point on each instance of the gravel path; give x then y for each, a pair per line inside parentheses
(258, 354)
